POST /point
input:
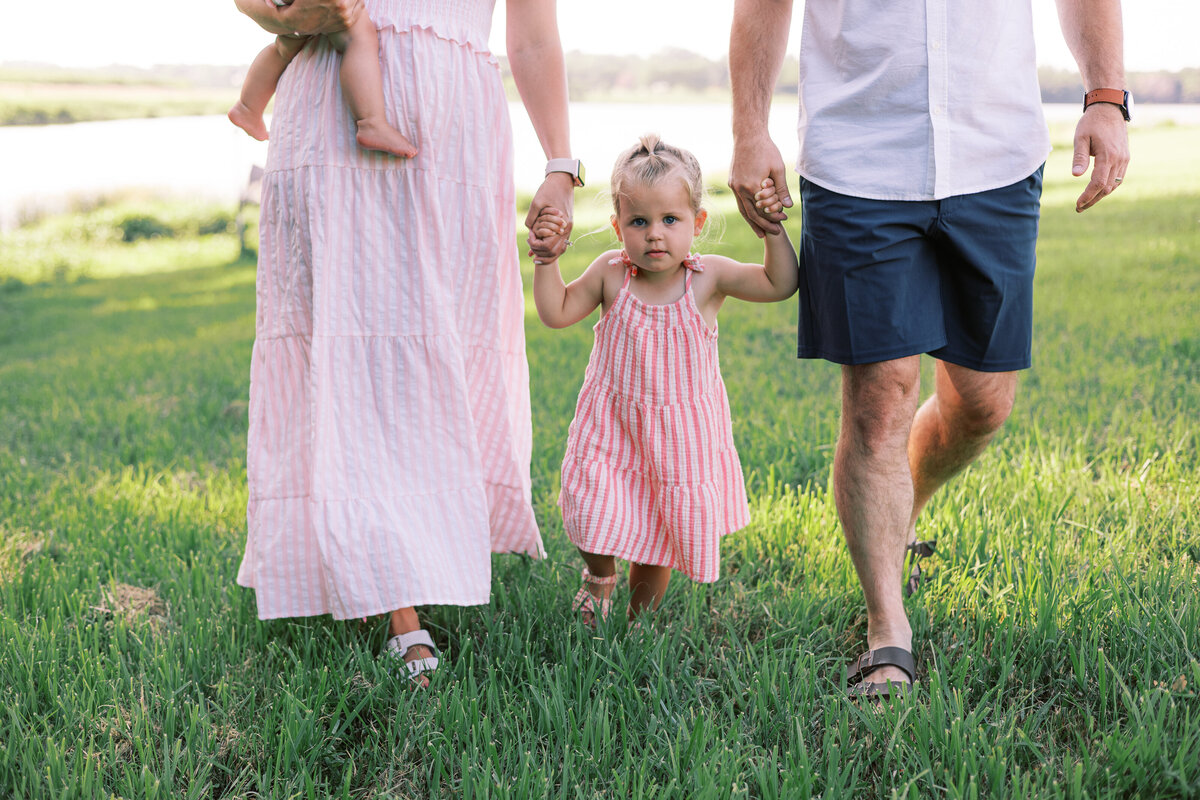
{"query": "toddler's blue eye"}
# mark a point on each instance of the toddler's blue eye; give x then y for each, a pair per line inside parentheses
(670, 219)
(637, 221)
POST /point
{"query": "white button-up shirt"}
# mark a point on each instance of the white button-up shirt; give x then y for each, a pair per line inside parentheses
(919, 99)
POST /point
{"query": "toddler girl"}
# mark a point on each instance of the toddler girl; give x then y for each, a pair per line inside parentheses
(650, 473)
(362, 85)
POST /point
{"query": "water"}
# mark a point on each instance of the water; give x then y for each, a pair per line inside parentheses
(45, 168)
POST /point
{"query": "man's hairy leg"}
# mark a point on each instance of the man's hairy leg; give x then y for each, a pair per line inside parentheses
(873, 489)
(954, 426)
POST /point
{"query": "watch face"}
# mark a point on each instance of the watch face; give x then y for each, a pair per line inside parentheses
(1128, 106)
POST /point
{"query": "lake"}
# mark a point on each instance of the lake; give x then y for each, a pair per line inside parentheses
(46, 168)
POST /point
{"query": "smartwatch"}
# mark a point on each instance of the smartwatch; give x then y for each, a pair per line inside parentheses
(571, 166)
(1117, 97)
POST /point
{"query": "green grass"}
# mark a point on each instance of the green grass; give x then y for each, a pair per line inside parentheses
(1057, 635)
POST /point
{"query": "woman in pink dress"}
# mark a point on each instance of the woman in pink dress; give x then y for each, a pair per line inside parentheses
(389, 440)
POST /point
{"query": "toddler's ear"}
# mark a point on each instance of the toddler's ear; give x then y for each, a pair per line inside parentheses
(701, 216)
(616, 227)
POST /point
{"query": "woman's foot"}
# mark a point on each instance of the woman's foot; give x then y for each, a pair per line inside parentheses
(411, 643)
(249, 121)
(378, 135)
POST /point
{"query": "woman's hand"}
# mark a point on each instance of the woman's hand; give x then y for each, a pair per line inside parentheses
(303, 17)
(556, 197)
(547, 236)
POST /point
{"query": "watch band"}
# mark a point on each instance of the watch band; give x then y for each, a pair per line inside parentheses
(571, 166)
(1117, 97)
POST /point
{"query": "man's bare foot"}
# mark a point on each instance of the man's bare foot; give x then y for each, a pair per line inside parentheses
(252, 123)
(378, 135)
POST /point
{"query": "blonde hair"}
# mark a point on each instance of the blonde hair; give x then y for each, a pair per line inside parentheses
(650, 161)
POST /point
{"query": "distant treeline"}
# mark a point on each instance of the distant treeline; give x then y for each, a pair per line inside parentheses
(594, 77)
(598, 77)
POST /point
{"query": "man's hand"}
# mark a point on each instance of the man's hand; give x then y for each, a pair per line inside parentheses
(310, 17)
(755, 162)
(1101, 135)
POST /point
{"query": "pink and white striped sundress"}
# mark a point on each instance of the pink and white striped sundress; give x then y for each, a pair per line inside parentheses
(389, 440)
(651, 474)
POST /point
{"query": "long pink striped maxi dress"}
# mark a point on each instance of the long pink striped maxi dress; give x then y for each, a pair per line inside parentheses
(389, 438)
(651, 474)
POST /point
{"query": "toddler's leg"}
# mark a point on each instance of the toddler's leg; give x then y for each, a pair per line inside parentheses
(601, 567)
(647, 585)
(362, 83)
(261, 80)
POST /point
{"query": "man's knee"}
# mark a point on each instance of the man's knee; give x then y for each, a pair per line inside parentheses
(878, 403)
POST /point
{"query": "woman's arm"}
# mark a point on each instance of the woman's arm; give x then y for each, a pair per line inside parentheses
(536, 59)
(560, 305)
(305, 17)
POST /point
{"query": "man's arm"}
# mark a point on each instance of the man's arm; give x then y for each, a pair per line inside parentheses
(1093, 31)
(757, 45)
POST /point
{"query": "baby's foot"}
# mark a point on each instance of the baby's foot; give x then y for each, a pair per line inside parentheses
(252, 123)
(378, 135)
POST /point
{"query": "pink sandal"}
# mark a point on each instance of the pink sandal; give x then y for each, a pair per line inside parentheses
(585, 601)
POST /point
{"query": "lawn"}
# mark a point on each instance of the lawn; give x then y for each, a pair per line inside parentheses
(1057, 635)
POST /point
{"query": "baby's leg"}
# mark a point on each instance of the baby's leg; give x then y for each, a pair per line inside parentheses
(261, 80)
(362, 83)
(647, 585)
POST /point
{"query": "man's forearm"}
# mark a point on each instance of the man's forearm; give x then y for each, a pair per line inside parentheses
(1093, 30)
(757, 45)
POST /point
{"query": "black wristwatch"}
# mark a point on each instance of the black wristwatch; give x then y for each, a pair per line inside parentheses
(1117, 97)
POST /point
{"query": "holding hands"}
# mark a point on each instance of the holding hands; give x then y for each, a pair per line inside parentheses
(751, 161)
(550, 218)
(548, 236)
(771, 202)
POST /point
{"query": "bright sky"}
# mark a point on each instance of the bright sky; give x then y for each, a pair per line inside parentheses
(1159, 34)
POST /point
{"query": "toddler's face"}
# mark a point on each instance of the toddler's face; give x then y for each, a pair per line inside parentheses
(657, 225)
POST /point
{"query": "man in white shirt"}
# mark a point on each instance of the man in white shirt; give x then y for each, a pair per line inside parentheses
(921, 145)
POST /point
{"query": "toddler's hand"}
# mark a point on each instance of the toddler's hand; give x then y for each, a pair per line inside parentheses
(547, 238)
(767, 199)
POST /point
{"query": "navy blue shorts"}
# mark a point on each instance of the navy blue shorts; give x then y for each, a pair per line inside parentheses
(883, 279)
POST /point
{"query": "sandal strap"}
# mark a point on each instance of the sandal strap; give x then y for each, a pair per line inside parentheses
(879, 689)
(401, 643)
(914, 551)
(922, 548)
(872, 660)
(588, 577)
(419, 666)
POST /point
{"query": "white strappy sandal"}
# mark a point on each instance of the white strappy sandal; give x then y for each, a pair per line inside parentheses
(398, 646)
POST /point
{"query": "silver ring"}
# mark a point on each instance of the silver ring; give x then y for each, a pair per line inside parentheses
(1118, 180)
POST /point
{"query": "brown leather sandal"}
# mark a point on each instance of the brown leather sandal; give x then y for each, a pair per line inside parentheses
(872, 660)
(913, 553)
